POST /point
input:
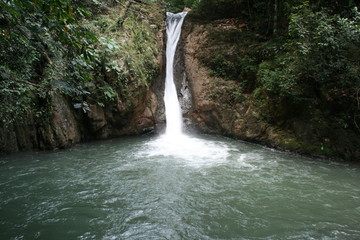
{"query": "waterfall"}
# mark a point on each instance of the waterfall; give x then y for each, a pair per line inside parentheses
(175, 144)
(172, 105)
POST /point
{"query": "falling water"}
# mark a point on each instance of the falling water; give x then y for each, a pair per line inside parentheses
(174, 143)
(172, 105)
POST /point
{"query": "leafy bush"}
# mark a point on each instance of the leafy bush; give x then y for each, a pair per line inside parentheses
(319, 62)
(177, 5)
(34, 36)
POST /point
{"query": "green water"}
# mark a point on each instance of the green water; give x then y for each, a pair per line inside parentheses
(143, 188)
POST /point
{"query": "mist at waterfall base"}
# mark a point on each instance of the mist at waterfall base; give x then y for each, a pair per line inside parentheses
(176, 186)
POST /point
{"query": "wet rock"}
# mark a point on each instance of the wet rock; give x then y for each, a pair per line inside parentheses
(96, 118)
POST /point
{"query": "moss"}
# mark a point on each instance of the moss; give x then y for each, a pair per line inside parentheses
(317, 149)
(127, 54)
(233, 52)
(290, 144)
(311, 148)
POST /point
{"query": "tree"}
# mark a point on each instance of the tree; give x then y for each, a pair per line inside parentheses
(318, 65)
(34, 34)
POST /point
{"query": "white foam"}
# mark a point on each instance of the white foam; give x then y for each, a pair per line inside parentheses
(194, 151)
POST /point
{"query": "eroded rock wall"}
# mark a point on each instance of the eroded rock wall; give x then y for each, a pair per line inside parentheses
(60, 129)
(210, 113)
(220, 107)
(65, 126)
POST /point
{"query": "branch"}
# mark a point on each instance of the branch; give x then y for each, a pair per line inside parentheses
(357, 126)
(136, 1)
(30, 83)
(14, 81)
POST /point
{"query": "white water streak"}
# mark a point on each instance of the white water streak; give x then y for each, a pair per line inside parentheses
(172, 105)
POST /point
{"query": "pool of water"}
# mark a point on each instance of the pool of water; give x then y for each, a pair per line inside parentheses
(202, 187)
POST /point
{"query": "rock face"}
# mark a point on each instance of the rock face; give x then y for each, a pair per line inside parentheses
(66, 125)
(219, 107)
(117, 119)
(210, 113)
(59, 130)
(62, 130)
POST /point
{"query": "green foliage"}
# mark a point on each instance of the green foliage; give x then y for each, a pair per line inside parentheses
(312, 64)
(177, 5)
(233, 54)
(241, 69)
(57, 47)
(216, 9)
(318, 64)
(266, 16)
(109, 92)
(192, 3)
(221, 67)
(34, 36)
(327, 42)
(277, 80)
(124, 58)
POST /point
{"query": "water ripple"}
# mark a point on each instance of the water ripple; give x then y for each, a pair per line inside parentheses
(207, 188)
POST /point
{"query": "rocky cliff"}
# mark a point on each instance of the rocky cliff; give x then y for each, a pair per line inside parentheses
(222, 106)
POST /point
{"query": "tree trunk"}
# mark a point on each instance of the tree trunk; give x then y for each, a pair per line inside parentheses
(276, 12)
